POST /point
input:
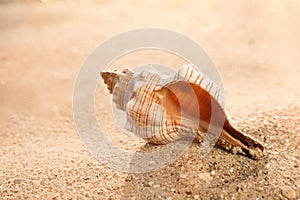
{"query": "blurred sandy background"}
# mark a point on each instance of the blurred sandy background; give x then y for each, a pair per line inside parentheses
(254, 44)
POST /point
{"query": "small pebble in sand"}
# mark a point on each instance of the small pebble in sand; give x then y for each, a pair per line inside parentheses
(183, 176)
(256, 153)
(150, 183)
(236, 150)
(205, 176)
(288, 192)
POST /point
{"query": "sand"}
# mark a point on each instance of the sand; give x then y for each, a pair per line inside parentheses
(254, 44)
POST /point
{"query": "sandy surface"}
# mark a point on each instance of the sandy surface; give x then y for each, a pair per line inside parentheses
(255, 45)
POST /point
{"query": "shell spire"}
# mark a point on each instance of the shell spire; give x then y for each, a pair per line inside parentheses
(117, 83)
(110, 79)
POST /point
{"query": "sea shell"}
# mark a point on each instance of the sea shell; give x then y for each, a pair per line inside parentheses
(162, 109)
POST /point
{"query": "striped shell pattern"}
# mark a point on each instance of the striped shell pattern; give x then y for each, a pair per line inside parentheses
(164, 108)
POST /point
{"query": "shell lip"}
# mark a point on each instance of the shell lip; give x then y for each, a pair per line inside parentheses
(240, 143)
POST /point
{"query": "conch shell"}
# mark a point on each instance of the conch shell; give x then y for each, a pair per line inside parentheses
(162, 109)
